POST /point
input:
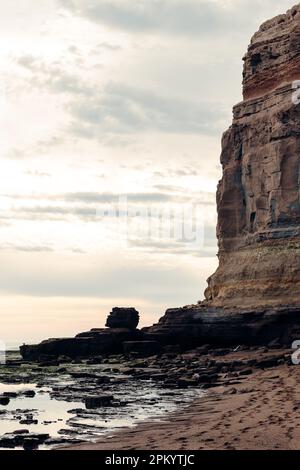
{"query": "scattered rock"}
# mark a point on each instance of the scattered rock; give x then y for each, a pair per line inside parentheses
(29, 393)
(4, 401)
(246, 372)
(98, 401)
(31, 444)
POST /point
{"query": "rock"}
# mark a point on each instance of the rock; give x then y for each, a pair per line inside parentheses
(49, 364)
(123, 318)
(144, 348)
(103, 379)
(18, 439)
(246, 372)
(83, 375)
(267, 363)
(96, 401)
(208, 378)
(158, 376)
(29, 393)
(95, 360)
(196, 377)
(4, 400)
(86, 344)
(273, 56)
(64, 359)
(31, 444)
(185, 382)
(28, 420)
(193, 325)
(10, 394)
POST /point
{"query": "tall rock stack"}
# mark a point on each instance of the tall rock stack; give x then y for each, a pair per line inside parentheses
(258, 197)
(254, 296)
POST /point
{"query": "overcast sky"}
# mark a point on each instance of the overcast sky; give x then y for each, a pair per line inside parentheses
(101, 98)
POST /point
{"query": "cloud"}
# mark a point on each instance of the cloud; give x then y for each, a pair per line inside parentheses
(27, 248)
(112, 198)
(120, 108)
(109, 198)
(52, 77)
(174, 247)
(189, 17)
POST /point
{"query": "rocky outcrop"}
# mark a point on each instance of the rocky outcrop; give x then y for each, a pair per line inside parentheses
(193, 325)
(94, 342)
(258, 197)
(273, 57)
(123, 318)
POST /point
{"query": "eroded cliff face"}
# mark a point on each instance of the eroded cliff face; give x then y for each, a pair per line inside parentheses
(258, 198)
(254, 296)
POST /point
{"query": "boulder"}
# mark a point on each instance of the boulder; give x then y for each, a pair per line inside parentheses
(96, 401)
(123, 318)
(4, 400)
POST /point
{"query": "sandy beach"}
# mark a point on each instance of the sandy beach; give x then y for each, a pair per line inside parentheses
(261, 412)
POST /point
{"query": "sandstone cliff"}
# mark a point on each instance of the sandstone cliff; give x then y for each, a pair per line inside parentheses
(254, 296)
(258, 197)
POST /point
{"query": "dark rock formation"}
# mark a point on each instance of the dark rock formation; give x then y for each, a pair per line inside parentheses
(4, 400)
(91, 343)
(194, 325)
(98, 401)
(123, 318)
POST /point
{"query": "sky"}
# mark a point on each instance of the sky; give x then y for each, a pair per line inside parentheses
(112, 113)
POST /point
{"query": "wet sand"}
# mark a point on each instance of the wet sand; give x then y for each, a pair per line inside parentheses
(262, 412)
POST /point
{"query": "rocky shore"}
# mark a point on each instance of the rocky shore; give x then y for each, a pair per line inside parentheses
(116, 388)
(257, 410)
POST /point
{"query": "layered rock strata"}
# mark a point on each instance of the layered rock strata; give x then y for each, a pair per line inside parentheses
(258, 198)
(254, 295)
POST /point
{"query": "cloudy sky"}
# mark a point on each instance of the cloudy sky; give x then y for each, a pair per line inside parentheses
(102, 98)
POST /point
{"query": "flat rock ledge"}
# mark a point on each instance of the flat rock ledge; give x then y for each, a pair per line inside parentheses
(185, 327)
